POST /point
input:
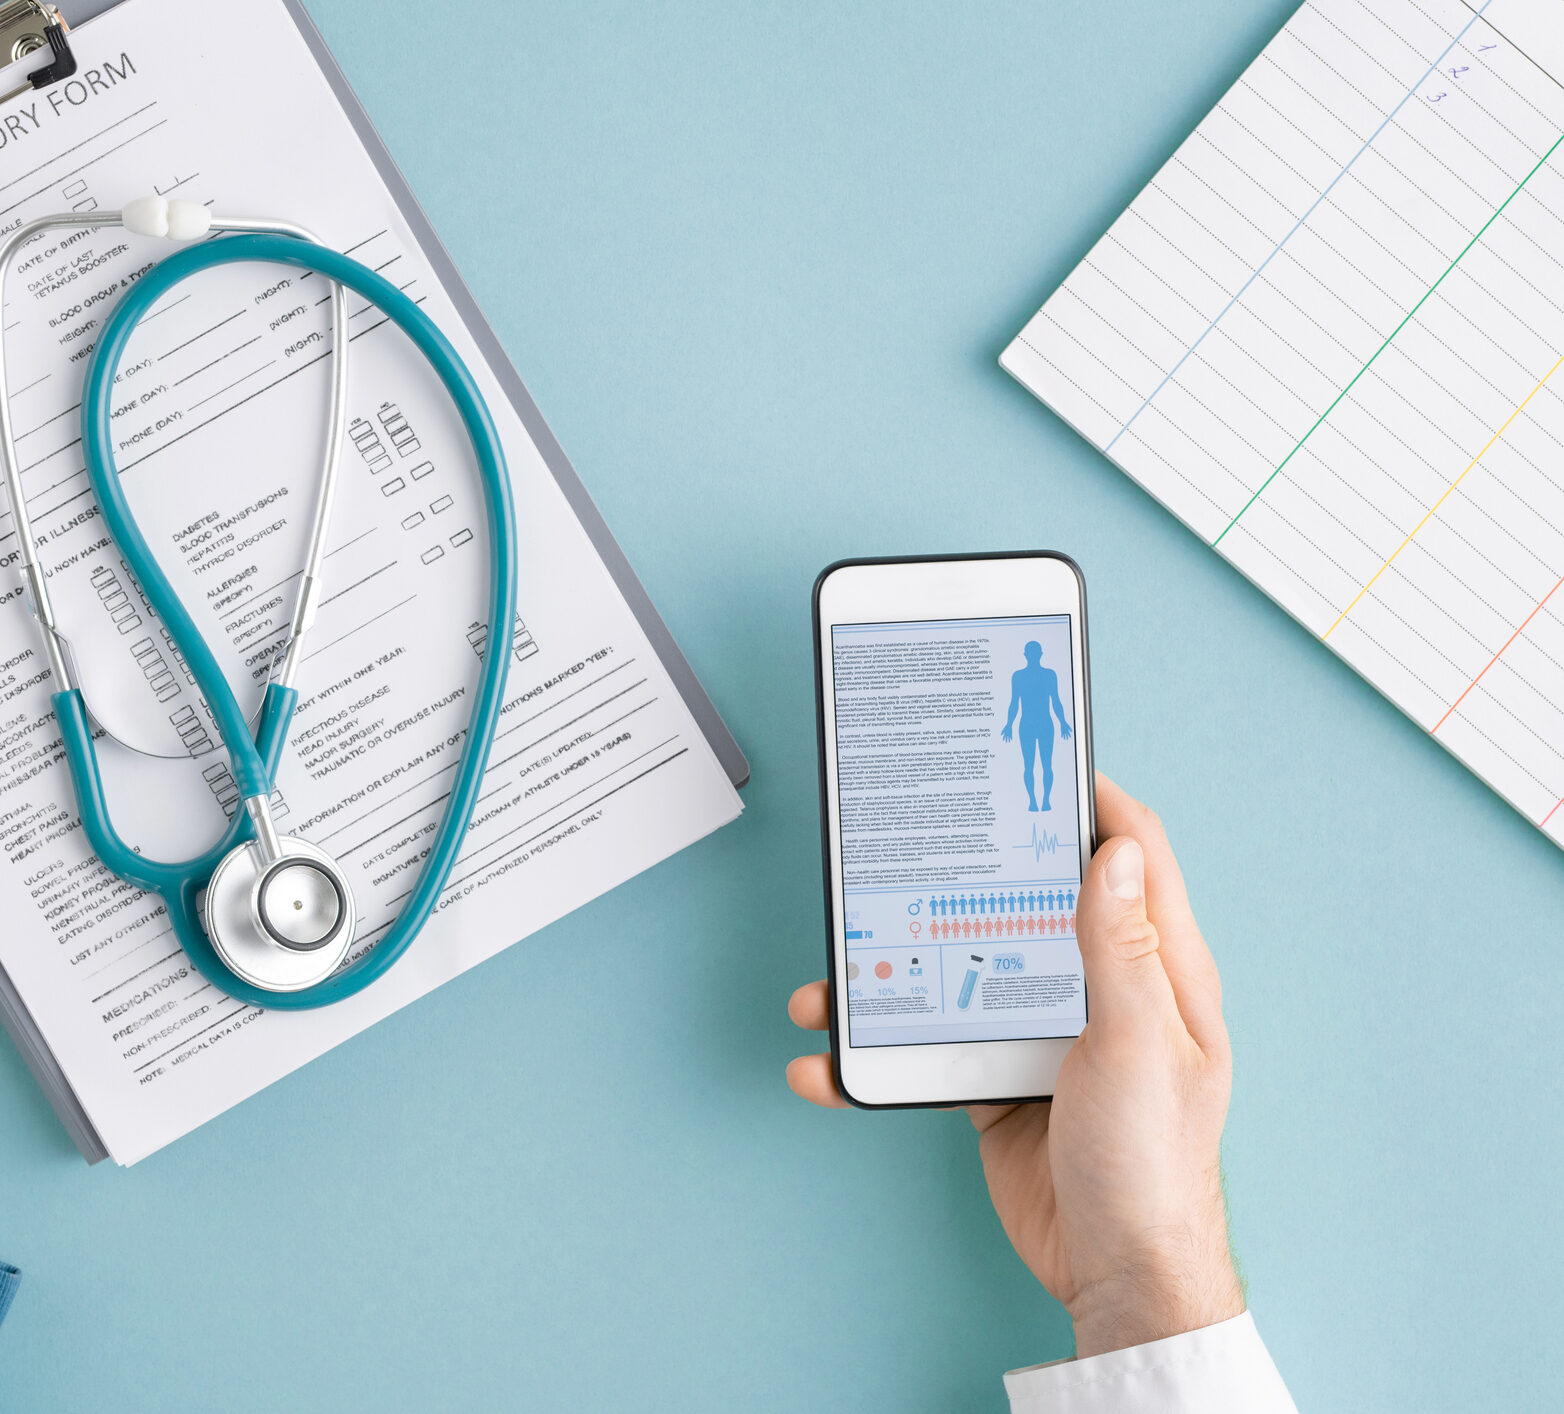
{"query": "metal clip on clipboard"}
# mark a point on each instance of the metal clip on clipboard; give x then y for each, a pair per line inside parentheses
(27, 27)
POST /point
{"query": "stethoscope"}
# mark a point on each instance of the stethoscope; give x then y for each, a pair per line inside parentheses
(278, 919)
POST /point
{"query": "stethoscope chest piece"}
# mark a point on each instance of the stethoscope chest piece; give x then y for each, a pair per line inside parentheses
(285, 925)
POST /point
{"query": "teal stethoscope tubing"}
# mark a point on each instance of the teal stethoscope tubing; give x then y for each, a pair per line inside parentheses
(254, 760)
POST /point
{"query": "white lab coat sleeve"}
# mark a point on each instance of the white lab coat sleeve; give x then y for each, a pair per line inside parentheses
(1221, 1369)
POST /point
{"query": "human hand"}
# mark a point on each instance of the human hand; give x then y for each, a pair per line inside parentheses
(1112, 1193)
(1004, 732)
(1064, 730)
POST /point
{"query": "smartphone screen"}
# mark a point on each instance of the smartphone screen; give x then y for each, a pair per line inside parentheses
(960, 816)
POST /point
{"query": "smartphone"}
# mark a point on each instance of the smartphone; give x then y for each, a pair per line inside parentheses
(957, 818)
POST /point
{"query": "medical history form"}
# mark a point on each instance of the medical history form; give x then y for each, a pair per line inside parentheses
(1329, 337)
(607, 758)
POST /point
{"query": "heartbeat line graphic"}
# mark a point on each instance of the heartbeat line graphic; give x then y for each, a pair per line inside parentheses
(1045, 843)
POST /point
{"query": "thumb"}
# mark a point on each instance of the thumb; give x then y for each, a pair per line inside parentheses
(1127, 989)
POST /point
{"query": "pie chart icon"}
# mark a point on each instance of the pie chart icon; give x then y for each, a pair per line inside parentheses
(882, 970)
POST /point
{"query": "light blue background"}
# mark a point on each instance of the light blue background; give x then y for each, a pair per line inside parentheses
(756, 263)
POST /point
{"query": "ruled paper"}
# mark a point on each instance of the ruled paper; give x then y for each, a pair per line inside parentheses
(1328, 337)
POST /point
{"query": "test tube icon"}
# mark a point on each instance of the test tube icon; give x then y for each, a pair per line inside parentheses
(969, 982)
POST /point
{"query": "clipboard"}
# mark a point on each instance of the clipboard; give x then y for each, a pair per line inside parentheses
(39, 31)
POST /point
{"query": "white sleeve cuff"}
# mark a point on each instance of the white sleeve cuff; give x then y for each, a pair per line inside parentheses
(1222, 1369)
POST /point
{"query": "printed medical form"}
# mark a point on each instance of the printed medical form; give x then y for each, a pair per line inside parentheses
(598, 769)
(961, 850)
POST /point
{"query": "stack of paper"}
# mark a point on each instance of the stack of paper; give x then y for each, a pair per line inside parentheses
(1328, 337)
(601, 766)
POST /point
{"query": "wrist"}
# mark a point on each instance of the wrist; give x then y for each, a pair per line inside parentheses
(1161, 1295)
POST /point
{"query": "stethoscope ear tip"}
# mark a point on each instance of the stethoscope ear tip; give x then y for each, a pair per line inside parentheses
(159, 217)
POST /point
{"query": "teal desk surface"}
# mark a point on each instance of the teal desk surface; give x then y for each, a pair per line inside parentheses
(756, 263)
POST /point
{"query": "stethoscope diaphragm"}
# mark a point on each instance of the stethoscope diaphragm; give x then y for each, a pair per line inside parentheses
(286, 925)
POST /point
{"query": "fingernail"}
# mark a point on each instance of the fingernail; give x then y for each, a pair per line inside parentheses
(1126, 872)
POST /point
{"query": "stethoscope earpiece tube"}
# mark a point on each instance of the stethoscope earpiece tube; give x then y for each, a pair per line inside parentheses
(70, 710)
(254, 761)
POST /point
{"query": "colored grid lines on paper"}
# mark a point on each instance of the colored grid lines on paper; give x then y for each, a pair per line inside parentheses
(1329, 337)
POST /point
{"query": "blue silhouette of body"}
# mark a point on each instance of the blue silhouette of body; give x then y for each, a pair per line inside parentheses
(1034, 692)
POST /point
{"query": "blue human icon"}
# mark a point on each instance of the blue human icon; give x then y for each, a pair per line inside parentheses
(1050, 898)
(982, 904)
(1034, 692)
(1071, 903)
(963, 902)
(991, 907)
(1030, 902)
